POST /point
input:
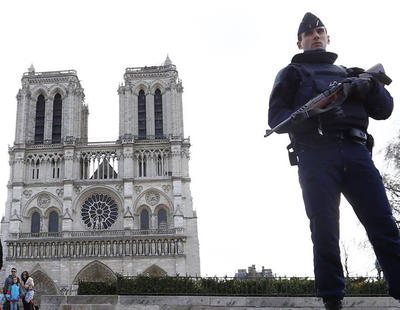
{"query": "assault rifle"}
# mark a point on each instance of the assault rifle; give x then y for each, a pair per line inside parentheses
(332, 97)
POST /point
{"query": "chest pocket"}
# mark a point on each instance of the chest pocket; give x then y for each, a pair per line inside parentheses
(315, 79)
(326, 79)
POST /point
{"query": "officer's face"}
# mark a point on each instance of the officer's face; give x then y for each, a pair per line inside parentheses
(316, 38)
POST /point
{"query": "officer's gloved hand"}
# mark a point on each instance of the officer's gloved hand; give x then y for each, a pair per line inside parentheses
(335, 113)
(358, 88)
(299, 117)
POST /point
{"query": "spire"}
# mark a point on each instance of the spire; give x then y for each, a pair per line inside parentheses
(167, 61)
(31, 69)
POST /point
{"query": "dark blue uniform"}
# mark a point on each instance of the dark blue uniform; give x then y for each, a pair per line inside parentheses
(331, 162)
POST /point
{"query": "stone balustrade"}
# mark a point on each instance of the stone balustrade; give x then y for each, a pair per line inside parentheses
(96, 244)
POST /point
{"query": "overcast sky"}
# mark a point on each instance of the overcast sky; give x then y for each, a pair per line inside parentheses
(248, 201)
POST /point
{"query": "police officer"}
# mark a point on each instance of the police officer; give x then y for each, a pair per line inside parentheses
(333, 158)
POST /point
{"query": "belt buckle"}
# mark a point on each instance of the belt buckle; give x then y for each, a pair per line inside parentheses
(358, 135)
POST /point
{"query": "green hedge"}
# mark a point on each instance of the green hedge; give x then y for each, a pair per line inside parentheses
(151, 285)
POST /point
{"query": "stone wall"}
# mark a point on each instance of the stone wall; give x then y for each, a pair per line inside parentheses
(206, 303)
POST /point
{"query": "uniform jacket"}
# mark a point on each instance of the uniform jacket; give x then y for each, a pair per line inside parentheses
(308, 75)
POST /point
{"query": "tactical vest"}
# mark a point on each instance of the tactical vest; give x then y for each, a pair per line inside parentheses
(316, 78)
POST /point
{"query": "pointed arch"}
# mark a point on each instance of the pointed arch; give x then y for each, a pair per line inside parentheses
(40, 90)
(158, 114)
(39, 119)
(162, 219)
(95, 271)
(54, 222)
(31, 204)
(155, 270)
(141, 86)
(142, 132)
(60, 89)
(44, 285)
(144, 217)
(158, 84)
(35, 222)
(140, 201)
(57, 118)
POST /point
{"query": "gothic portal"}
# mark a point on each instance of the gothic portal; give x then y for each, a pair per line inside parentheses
(92, 210)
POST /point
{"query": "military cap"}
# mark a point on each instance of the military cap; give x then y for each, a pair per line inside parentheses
(309, 22)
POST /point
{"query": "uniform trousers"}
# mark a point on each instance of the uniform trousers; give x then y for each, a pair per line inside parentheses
(329, 167)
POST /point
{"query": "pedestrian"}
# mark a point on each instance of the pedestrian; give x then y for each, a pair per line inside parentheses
(2, 299)
(1, 256)
(14, 294)
(28, 300)
(333, 153)
(27, 282)
(7, 283)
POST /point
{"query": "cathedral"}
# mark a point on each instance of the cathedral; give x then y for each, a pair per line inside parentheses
(79, 210)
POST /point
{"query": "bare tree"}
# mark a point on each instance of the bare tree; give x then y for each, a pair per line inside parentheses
(345, 256)
(391, 180)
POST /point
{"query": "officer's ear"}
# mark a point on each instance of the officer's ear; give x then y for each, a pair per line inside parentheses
(329, 39)
(299, 45)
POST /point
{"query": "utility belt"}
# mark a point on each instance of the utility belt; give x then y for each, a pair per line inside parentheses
(352, 134)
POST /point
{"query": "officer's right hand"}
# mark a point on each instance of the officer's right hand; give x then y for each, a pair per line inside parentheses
(299, 117)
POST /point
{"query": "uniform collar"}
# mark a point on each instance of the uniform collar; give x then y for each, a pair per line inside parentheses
(315, 57)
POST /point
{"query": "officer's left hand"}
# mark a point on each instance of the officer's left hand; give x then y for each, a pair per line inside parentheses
(358, 88)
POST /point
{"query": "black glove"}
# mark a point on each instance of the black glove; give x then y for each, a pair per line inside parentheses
(298, 117)
(335, 113)
(358, 88)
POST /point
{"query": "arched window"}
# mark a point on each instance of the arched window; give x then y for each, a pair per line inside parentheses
(55, 165)
(35, 170)
(53, 221)
(144, 220)
(57, 118)
(160, 166)
(35, 222)
(162, 219)
(142, 114)
(158, 114)
(142, 166)
(39, 121)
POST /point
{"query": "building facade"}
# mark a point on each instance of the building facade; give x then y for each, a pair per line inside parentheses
(91, 210)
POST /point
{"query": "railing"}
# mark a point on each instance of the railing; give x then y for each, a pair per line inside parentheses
(50, 73)
(96, 234)
(191, 286)
(99, 164)
(150, 69)
(135, 246)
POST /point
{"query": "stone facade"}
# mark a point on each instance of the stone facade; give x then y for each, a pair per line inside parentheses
(92, 210)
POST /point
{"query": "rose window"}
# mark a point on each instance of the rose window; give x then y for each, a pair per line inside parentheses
(99, 211)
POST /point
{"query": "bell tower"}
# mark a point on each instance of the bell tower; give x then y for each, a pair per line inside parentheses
(150, 102)
(50, 108)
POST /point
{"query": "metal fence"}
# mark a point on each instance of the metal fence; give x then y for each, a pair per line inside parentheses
(226, 286)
